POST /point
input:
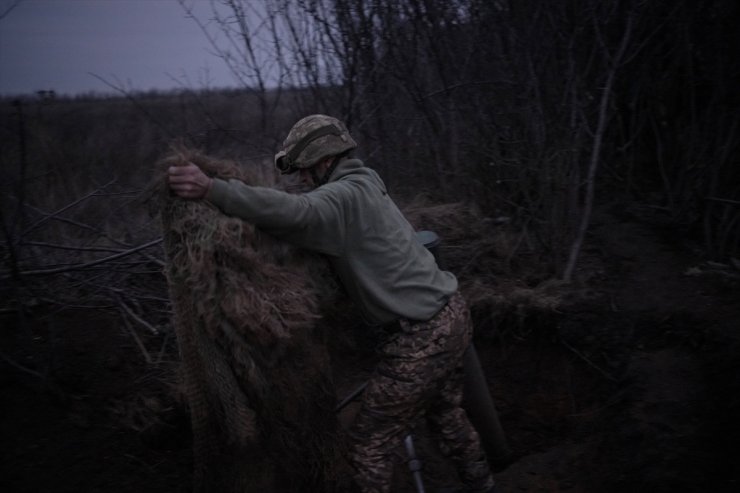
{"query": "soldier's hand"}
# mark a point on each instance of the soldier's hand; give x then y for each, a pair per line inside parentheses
(188, 181)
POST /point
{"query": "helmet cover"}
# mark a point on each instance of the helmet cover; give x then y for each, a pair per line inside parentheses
(311, 140)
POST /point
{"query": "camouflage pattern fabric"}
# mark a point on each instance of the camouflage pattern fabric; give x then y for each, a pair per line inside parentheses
(306, 146)
(420, 374)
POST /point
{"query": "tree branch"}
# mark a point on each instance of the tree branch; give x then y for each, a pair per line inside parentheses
(58, 270)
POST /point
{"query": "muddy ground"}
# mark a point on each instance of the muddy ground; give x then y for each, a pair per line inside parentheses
(632, 385)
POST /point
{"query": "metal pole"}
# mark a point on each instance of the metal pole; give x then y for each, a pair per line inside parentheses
(415, 463)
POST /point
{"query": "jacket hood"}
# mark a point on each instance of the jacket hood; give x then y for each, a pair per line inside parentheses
(351, 168)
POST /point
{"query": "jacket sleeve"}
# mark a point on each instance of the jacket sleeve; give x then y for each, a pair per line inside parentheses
(314, 220)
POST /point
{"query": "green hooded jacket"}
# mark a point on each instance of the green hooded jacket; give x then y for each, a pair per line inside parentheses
(368, 241)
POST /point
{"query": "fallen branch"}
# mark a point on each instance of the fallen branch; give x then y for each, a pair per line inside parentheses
(58, 270)
(66, 207)
(70, 247)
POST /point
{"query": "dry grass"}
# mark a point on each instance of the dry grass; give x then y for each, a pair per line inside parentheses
(480, 253)
(255, 368)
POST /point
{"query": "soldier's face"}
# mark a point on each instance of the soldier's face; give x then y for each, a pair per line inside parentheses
(306, 178)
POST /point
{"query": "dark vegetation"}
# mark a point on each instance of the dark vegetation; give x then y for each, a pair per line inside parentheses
(586, 156)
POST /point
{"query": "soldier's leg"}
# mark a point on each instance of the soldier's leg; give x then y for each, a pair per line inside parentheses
(448, 421)
(413, 362)
(457, 438)
(388, 409)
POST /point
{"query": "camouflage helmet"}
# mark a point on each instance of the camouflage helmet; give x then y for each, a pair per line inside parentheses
(312, 139)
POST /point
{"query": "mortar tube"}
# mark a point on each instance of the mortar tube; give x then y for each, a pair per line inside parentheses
(479, 406)
(477, 400)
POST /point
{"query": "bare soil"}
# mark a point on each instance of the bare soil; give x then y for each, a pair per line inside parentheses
(633, 385)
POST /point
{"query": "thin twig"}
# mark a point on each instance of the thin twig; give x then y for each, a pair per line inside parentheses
(20, 367)
(136, 337)
(58, 270)
(163, 347)
(72, 222)
(352, 396)
(70, 247)
(137, 104)
(726, 201)
(66, 207)
(10, 7)
(133, 315)
(589, 362)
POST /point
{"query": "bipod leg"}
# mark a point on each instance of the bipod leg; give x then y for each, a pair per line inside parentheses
(415, 463)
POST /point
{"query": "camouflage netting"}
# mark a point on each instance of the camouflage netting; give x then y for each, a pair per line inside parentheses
(255, 366)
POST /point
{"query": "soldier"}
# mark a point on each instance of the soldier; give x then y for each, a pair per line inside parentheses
(396, 283)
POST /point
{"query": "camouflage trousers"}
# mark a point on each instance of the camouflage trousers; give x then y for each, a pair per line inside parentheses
(419, 375)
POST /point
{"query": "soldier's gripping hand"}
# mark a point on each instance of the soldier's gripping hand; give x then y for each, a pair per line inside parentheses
(188, 181)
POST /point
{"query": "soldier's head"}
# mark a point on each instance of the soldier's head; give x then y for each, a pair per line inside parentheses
(312, 146)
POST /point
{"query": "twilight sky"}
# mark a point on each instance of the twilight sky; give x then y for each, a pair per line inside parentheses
(137, 44)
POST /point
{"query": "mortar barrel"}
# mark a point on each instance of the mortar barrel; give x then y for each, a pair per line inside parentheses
(478, 404)
(477, 399)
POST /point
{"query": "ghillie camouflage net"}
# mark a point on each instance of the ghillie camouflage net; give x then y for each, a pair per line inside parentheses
(255, 367)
